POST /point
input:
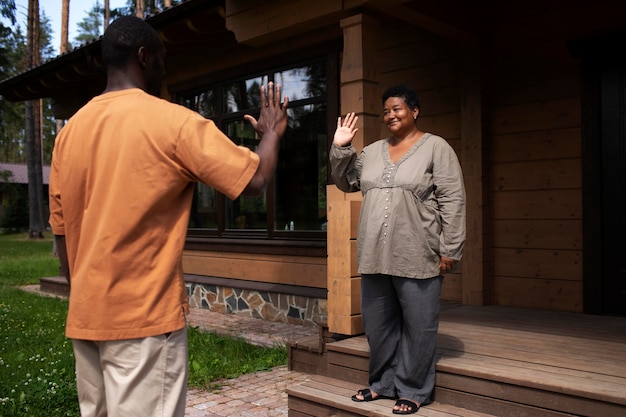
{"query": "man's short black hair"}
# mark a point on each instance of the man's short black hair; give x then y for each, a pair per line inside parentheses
(405, 92)
(124, 37)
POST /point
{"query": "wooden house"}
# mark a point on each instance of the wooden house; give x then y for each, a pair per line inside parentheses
(531, 94)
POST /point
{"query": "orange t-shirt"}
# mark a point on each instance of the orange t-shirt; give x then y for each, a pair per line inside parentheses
(121, 185)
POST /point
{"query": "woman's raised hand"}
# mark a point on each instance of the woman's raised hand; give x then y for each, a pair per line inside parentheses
(345, 130)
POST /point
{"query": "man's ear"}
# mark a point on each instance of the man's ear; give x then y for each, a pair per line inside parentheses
(143, 56)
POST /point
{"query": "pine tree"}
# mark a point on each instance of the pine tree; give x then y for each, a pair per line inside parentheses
(90, 27)
(33, 130)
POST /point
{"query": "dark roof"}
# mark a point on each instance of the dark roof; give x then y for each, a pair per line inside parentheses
(19, 173)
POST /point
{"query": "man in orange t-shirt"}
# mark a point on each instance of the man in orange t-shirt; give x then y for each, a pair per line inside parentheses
(121, 185)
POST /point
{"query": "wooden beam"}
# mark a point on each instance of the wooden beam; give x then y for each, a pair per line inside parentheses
(288, 270)
(421, 19)
(258, 23)
(359, 77)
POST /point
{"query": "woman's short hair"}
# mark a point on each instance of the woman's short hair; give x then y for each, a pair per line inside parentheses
(405, 92)
(124, 37)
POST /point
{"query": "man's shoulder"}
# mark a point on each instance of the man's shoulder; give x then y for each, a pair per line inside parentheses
(160, 102)
(137, 95)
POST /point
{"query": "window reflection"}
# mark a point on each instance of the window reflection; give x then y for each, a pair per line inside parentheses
(203, 208)
(303, 82)
(302, 171)
(297, 197)
(207, 103)
(242, 95)
(245, 212)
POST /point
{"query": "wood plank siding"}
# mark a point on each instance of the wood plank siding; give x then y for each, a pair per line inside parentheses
(535, 175)
(277, 269)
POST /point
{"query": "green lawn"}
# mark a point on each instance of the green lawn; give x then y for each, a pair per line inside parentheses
(36, 360)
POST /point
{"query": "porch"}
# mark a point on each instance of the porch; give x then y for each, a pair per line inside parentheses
(493, 361)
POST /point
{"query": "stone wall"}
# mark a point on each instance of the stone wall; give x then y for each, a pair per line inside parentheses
(268, 306)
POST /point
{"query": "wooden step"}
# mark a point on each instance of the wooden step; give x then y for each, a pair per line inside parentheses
(489, 383)
(514, 363)
(322, 396)
(348, 360)
(54, 285)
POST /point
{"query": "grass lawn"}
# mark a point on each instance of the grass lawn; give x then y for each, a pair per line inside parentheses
(37, 362)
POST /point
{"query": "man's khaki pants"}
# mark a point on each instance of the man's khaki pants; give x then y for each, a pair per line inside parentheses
(144, 377)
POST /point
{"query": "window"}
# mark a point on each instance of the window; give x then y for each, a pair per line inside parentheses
(295, 204)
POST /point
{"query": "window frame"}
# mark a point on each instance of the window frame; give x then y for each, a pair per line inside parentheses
(249, 238)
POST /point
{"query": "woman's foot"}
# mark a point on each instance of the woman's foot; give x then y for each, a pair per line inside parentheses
(365, 395)
(404, 406)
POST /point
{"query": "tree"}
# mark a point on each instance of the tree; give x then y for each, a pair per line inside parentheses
(90, 27)
(143, 8)
(64, 42)
(65, 22)
(107, 14)
(140, 8)
(12, 114)
(7, 9)
(64, 46)
(33, 130)
(12, 51)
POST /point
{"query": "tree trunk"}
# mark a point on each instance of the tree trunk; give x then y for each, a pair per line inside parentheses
(33, 131)
(107, 14)
(140, 9)
(65, 21)
(63, 48)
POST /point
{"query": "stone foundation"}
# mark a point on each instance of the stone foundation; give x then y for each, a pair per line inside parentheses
(312, 312)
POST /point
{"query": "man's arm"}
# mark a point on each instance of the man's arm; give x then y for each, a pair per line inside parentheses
(271, 126)
(62, 251)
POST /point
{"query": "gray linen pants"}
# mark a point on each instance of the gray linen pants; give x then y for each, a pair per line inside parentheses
(401, 319)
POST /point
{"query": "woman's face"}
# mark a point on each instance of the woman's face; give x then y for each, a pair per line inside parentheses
(398, 117)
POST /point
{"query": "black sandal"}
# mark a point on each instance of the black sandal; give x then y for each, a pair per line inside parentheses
(366, 393)
(412, 407)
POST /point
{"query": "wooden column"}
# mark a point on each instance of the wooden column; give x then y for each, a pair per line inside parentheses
(359, 77)
(359, 94)
(344, 282)
(475, 265)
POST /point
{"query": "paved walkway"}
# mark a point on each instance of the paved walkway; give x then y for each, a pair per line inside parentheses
(259, 394)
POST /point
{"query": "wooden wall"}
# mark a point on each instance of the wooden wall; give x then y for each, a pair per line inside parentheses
(535, 170)
(305, 271)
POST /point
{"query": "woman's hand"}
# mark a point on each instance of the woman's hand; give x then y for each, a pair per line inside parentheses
(446, 265)
(345, 130)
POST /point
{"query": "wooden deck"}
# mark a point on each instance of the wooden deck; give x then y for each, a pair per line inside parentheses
(492, 360)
